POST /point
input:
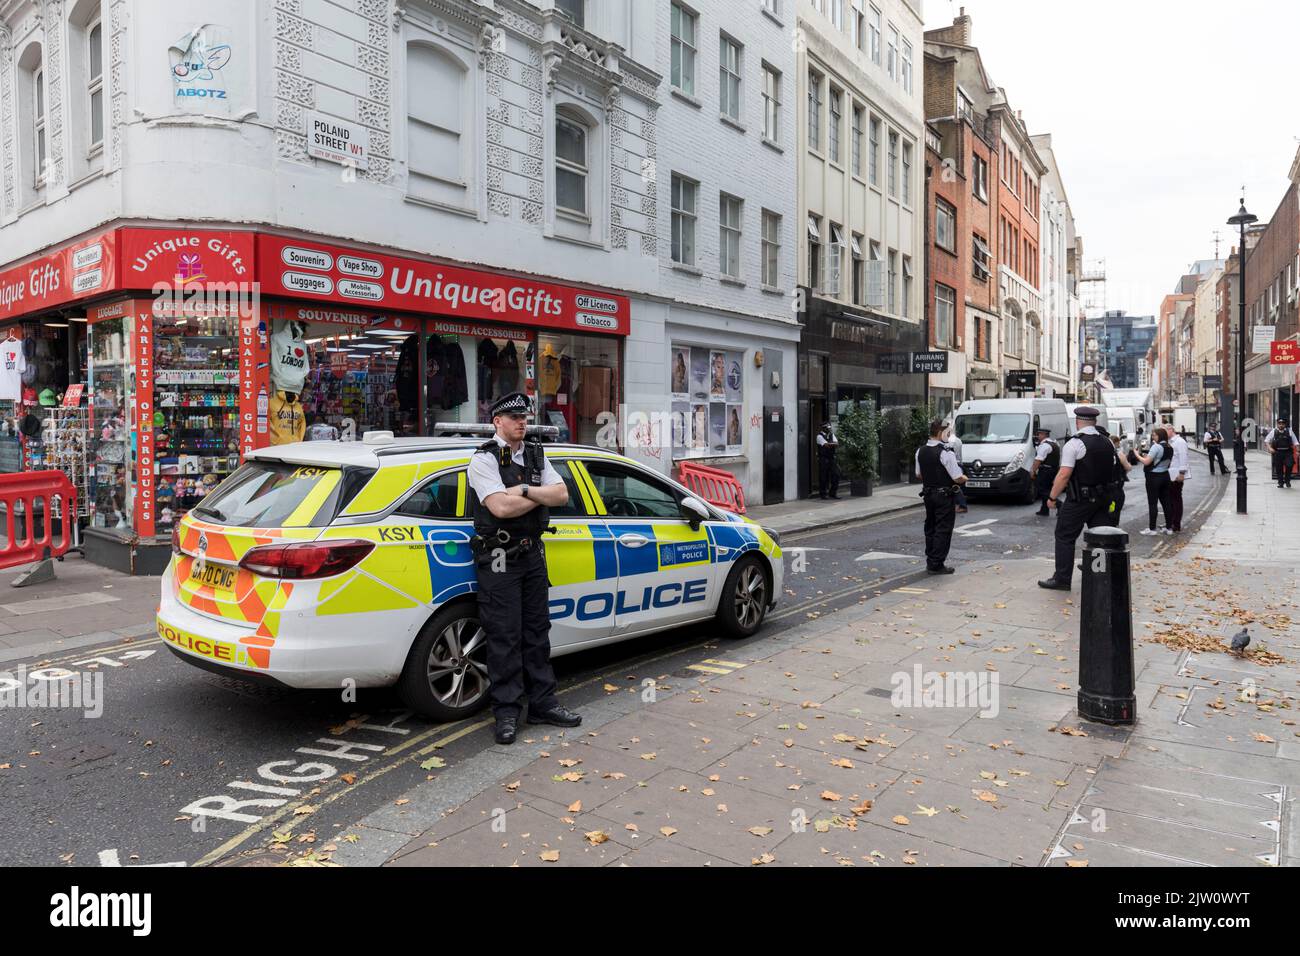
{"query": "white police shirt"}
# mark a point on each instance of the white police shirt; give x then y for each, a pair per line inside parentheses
(1075, 449)
(1268, 439)
(484, 473)
(822, 439)
(946, 458)
(1044, 449)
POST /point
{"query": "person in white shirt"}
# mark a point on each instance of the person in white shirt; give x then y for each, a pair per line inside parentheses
(1281, 444)
(1088, 469)
(828, 470)
(952, 441)
(1179, 470)
(1213, 441)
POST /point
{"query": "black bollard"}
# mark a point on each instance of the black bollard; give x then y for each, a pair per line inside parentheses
(1241, 489)
(1106, 629)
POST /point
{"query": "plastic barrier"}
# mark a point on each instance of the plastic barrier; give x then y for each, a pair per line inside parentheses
(714, 485)
(27, 515)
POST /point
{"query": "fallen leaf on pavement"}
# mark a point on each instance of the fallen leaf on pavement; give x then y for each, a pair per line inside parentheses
(901, 820)
(830, 795)
(926, 811)
(549, 856)
(667, 831)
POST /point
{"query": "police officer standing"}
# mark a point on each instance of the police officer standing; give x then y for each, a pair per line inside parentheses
(1281, 443)
(513, 486)
(1047, 459)
(1213, 440)
(1088, 469)
(941, 479)
(828, 469)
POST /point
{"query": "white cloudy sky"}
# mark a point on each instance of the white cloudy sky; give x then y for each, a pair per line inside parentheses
(1156, 118)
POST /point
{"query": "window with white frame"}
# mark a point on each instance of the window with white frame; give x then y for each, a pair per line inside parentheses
(834, 260)
(858, 114)
(907, 174)
(95, 83)
(907, 66)
(893, 163)
(945, 314)
(38, 123)
(814, 252)
(729, 77)
(837, 14)
(873, 152)
(771, 103)
(874, 25)
(980, 177)
(772, 6)
(683, 49)
(575, 10)
(859, 268)
(436, 129)
(964, 108)
(980, 257)
(891, 53)
(684, 194)
(570, 164)
(814, 110)
(893, 282)
(945, 225)
(771, 249)
(730, 212)
(833, 130)
(907, 287)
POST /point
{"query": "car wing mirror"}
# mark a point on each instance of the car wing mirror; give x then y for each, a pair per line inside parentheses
(693, 511)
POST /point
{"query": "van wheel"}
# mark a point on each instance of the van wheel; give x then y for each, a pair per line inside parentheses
(745, 597)
(446, 675)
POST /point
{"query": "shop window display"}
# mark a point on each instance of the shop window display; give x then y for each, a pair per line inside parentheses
(38, 360)
(195, 417)
(110, 382)
(577, 381)
(355, 380)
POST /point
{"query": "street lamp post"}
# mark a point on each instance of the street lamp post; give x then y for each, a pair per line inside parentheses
(1241, 220)
(1205, 399)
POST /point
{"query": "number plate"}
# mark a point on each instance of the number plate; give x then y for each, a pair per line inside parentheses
(979, 484)
(214, 575)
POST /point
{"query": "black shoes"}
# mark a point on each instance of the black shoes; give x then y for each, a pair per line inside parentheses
(1054, 584)
(942, 569)
(507, 727)
(557, 716)
(1043, 513)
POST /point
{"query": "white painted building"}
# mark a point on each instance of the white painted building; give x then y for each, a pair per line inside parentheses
(1060, 303)
(861, 165)
(519, 138)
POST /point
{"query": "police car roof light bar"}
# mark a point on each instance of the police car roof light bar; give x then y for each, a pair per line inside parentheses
(470, 430)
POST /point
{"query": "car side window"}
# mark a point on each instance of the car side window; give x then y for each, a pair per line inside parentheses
(576, 507)
(631, 494)
(437, 499)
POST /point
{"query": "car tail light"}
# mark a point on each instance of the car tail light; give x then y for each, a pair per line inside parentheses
(309, 559)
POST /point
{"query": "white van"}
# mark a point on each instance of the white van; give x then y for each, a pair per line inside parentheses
(997, 442)
(1103, 419)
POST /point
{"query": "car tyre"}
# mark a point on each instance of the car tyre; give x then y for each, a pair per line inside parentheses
(446, 676)
(746, 595)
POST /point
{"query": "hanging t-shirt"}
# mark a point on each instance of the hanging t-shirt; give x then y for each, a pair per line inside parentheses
(508, 370)
(549, 374)
(13, 362)
(455, 388)
(289, 359)
(286, 419)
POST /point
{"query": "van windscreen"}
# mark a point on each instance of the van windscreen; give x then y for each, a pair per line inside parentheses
(999, 428)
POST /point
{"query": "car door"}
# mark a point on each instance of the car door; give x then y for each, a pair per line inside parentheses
(582, 566)
(665, 567)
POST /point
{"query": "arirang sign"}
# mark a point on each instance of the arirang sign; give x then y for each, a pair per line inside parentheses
(936, 361)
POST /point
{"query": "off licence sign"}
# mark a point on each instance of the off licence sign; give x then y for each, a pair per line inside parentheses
(1284, 352)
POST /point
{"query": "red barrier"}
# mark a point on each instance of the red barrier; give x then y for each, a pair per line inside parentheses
(29, 530)
(714, 485)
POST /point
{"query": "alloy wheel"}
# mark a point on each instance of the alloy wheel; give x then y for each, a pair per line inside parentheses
(457, 670)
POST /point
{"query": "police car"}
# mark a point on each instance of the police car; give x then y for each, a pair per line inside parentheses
(348, 564)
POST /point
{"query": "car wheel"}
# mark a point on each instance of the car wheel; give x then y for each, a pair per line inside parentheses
(446, 675)
(745, 597)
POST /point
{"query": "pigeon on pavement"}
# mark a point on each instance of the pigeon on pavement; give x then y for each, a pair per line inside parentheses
(1240, 640)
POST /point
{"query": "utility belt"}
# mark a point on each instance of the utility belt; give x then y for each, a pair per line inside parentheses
(1096, 492)
(485, 547)
(950, 490)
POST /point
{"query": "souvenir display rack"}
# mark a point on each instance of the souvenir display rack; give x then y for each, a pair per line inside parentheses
(62, 447)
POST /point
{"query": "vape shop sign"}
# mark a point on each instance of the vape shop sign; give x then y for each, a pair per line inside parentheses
(337, 141)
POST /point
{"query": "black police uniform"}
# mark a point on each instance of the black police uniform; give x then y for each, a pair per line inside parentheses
(938, 491)
(1047, 469)
(1091, 491)
(1282, 452)
(827, 467)
(1214, 448)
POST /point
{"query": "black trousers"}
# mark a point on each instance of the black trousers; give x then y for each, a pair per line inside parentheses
(829, 474)
(1118, 509)
(940, 516)
(1158, 495)
(1074, 515)
(514, 612)
(1282, 467)
(1174, 516)
(1043, 485)
(1216, 454)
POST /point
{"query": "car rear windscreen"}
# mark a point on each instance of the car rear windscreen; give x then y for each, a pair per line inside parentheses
(264, 494)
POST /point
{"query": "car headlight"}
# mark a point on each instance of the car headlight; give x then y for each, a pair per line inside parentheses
(1014, 464)
(774, 535)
